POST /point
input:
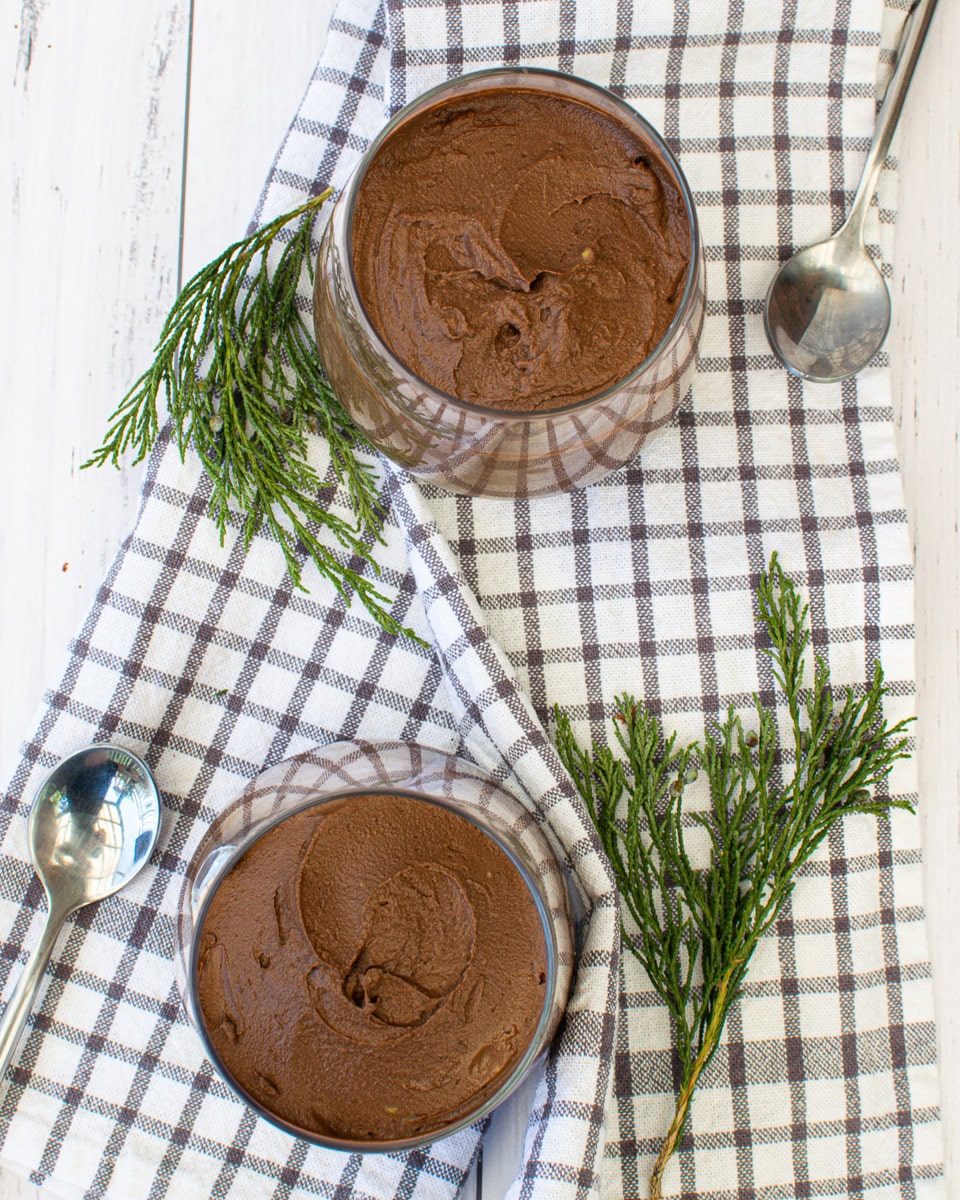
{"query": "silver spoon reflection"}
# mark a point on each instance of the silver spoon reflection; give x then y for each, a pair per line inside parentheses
(92, 827)
(828, 308)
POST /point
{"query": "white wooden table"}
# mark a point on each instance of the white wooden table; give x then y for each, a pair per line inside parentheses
(135, 140)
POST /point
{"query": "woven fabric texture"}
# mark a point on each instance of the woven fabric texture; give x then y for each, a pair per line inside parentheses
(204, 659)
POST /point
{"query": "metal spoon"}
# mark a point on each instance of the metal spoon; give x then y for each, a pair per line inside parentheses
(93, 825)
(828, 308)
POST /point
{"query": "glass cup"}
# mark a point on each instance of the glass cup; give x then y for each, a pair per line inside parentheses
(345, 769)
(466, 447)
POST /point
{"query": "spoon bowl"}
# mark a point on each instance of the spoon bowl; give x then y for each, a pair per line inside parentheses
(93, 825)
(827, 310)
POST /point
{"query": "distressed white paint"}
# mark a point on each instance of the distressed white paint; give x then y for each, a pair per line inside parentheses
(925, 350)
(98, 116)
(90, 183)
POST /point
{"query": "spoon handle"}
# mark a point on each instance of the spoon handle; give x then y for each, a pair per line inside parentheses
(911, 42)
(21, 1002)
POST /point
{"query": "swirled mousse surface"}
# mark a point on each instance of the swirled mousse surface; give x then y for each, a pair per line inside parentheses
(371, 968)
(518, 249)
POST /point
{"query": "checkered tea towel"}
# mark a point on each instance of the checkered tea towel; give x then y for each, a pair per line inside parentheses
(206, 661)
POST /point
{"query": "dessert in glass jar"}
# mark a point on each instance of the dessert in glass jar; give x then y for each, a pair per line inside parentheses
(510, 288)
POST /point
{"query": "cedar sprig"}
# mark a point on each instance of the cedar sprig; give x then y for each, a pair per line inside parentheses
(243, 385)
(694, 928)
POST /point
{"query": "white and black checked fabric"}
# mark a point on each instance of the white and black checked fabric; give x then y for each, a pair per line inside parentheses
(204, 660)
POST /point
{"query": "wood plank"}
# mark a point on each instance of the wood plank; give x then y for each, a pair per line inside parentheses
(91, 180)
(247, 80)
(925, 355)
(93, 119)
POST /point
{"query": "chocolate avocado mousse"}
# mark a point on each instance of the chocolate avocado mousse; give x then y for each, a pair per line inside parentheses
(372, 968)
(519, 249)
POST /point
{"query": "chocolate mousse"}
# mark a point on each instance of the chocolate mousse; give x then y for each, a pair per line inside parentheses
(518, 249)
(372, 968)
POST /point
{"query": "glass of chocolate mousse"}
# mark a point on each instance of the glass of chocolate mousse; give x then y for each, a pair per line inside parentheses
(375, 945)
(510, 289)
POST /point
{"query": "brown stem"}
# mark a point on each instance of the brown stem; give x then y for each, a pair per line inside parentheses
(707, 1046)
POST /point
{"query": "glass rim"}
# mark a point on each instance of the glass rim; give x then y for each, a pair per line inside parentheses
(381, 1146)
(521, 74)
